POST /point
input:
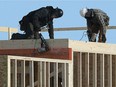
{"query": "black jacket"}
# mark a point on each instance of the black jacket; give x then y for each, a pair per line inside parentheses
(96, 18)
(39, 18)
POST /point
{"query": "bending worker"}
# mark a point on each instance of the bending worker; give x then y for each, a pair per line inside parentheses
(33, 22)
(97, 22)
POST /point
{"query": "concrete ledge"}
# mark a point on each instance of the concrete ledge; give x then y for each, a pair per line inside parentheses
(58, 48)
(92, 47)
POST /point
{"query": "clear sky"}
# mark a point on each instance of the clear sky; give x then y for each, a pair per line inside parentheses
(12, 12)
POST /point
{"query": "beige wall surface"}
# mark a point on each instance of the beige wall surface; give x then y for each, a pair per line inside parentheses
(92, 47)
(31, 43)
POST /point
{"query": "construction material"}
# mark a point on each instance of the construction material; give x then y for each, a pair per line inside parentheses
(9, 30)
(13, 30)
(75, 28)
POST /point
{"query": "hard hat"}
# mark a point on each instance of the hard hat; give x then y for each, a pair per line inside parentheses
(83, 11)
(58, 12)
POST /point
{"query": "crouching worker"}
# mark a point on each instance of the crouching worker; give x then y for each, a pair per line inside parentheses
(32, 22)
(35, 21)
(97, 22)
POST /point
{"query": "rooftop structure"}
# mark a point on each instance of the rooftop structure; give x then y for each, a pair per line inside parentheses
(77, 64)
(68, 63)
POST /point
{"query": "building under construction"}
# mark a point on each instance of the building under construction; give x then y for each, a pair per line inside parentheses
(68, 63)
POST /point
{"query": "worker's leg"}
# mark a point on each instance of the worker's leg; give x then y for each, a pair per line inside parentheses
(29, 31)
(51, 33)
(91, 36)
(102, 35)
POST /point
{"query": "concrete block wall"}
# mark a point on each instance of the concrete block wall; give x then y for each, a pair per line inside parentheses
(3, 71)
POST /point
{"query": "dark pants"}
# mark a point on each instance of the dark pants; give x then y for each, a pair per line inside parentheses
(30, 32)
(93, 31)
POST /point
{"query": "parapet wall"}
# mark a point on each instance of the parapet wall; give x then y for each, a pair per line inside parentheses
(92, 47)
(58, 48)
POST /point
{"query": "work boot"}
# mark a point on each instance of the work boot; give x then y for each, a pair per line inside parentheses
(41, 50)
(93, 38)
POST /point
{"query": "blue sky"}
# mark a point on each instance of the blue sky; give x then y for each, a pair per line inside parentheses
(13, 10)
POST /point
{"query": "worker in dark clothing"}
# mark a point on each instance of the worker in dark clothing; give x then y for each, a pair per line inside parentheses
(33, 22)
(97, 22)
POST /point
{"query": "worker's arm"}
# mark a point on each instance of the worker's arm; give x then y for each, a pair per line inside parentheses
(89, 31)
(50, 30)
